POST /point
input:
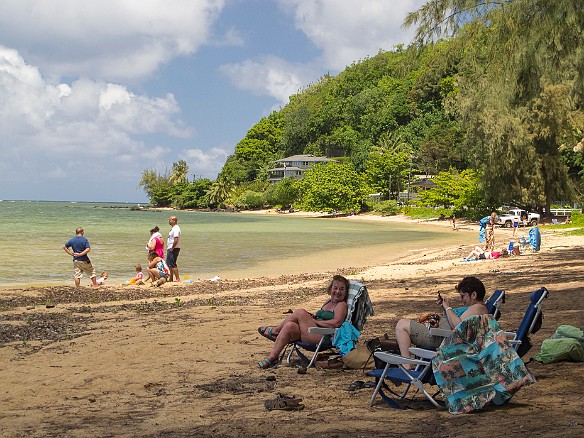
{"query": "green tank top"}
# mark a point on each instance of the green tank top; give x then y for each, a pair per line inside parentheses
(324, 315)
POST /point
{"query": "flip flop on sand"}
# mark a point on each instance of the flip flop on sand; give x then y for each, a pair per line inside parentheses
(266, 332)
(359, 384)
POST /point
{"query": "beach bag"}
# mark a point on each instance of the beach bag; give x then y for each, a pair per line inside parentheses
(359, 358)
(567, 343)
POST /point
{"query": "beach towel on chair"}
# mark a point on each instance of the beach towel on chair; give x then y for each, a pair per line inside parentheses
(476, 366)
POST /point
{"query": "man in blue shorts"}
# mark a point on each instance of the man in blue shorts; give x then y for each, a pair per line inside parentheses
(173, 248)
(78, 247)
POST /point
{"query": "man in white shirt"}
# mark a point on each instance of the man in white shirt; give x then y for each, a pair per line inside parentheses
(173, 248)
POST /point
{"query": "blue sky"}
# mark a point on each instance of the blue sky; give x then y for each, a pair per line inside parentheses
(92, 93)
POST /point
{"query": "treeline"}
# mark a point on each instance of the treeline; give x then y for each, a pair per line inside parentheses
(494, 110)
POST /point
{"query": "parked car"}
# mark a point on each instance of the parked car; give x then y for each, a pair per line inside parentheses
(516, 214)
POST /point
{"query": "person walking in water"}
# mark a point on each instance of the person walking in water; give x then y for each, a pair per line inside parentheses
(173, 248)
(78, 247)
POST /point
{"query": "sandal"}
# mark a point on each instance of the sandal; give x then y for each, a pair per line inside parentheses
(267, 364)
(359, 384)
(284, 403)
(269, 335)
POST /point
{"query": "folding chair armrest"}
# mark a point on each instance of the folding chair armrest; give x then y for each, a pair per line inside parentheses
(510, 335)
(322, 330)
(397, 359)
(445, 333)
(423, 353)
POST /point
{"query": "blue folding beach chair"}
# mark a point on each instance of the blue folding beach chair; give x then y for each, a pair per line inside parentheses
(359, 307)
(494, 302)
(531, 322)
(422, 375)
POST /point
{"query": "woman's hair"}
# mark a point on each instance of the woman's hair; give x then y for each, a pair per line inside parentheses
(152, 254)
(468, 285)
(342, 279)
(154, 230)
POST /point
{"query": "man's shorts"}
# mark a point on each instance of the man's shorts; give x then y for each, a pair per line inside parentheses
(421, 337)
(172, 257)
(83, 267)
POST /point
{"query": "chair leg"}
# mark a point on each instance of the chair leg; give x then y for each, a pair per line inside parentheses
(379, 383)
(315, 353)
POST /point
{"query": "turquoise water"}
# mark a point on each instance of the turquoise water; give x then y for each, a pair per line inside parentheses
(229, 245)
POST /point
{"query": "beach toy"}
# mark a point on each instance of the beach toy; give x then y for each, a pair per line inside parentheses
(188, 280)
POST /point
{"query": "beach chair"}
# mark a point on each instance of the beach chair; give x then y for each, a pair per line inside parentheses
(494, 302)
(531, 322)
(476, 365)
(359, 308)
(422, 374)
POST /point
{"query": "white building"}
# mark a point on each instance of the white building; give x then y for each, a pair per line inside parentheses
(294, 166)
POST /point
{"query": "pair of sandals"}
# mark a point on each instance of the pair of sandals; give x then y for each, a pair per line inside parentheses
(284, 402)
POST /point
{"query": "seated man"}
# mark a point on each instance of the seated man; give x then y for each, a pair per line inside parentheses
(472, 294)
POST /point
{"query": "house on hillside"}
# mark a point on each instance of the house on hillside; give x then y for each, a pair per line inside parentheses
(294, 166)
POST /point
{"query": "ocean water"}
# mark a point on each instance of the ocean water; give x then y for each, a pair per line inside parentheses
(228, 245)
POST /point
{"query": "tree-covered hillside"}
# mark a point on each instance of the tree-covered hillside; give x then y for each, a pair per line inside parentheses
(494, 109)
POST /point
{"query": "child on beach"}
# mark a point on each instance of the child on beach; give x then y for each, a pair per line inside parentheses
(139, 278)
(101, 280)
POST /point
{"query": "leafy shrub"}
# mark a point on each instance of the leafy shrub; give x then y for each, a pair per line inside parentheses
(388, 208)
(250, 200)
(577, 218)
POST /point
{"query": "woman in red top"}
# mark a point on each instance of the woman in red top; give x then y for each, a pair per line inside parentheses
(156, 243)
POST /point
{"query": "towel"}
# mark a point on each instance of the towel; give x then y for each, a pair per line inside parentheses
(345, 338)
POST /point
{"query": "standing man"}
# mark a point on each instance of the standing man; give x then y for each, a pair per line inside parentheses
(78, 247)
(173, 248)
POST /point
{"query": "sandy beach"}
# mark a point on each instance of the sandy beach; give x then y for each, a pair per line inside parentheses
(181, 360)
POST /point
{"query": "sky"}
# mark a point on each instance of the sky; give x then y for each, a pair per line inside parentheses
(92, 93)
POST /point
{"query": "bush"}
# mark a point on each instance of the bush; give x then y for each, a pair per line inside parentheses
(250, 200)
(386, 208)
(577, 218)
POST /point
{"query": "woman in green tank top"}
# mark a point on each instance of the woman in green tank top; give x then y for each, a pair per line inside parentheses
(295, 326)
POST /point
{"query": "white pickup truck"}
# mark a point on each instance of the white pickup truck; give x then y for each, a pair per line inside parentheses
(516, 214)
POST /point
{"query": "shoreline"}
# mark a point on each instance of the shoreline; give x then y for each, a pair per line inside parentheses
(358, 259)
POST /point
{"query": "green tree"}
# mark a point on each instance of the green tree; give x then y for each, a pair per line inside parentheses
(179, 173)
(459, 190)
(283, 193)
(509, 65)
(389, 165)
(219, 191)
(157, 187)
(332, 187)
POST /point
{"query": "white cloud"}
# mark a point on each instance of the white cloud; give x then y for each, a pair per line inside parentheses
(344, 30)
(107, 39)
(271, 76)
(206, 163)
(50, 130)
(349, 30)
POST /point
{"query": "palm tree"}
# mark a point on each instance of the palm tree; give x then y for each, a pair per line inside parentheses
(179, 172)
